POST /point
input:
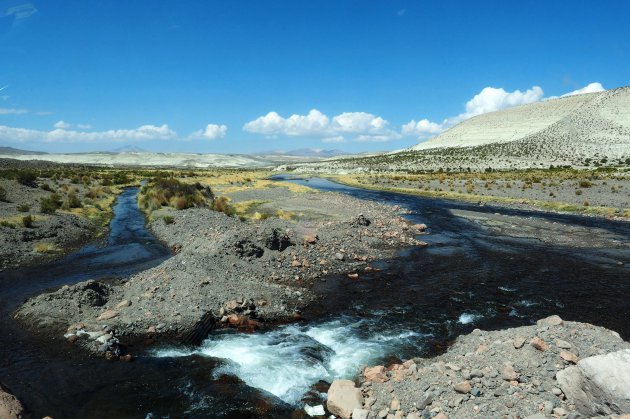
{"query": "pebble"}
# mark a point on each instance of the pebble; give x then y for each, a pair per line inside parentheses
(463, 387)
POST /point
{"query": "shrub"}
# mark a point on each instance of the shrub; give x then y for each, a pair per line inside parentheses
(50, 204)
(27, 178)
(3, 194)
(71, 201)
(578, 192)
(168, 219)
(27, 221)
(8, 224)
(46, 187)
(586, 203)
(585, 184)
(222, 204)
(24, 208)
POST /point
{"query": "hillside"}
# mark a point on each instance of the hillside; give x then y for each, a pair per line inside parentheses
(582, 131)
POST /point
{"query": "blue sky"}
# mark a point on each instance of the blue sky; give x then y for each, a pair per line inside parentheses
(226, 76)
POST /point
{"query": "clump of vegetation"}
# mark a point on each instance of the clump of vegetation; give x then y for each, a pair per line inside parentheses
(45, 247)
(46, 187)
(222, 204)
(171, 192)
(5, 223)
(27, 178)
(3, 194)
(578, 192)
(585, 184)
(71, 201)
(168, 219)
(50, 204)
(24, 208)
(27, 221)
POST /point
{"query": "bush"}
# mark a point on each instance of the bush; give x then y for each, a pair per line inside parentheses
(168, 219)
(27, 178)
(24, 208)
(72, 201)
(27, 221)
(3, 194)
(46, 187)
(578, 192)
(222, 204)
(8, 224)
(585, 184)
(50, 204)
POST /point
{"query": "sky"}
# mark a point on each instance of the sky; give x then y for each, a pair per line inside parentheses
(235, 76)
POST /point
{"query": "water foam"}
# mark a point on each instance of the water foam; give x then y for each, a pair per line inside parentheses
(286, 362)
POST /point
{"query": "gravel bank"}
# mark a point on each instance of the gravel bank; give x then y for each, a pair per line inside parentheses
(512, 373)
(224, 271)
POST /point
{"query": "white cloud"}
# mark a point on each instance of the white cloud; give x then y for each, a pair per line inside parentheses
(84, 126)
(58, 135)
(211, 132)
(590, 88)
(315, 124)
(62, 125)
(12, 111)
(490, 99)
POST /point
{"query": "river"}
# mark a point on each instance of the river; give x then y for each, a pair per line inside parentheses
(470, 276)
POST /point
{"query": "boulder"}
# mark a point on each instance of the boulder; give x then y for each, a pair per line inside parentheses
(550, 321)
(343, 398)
(539, 344)
(10, 406)
(108, 314)
(598, 385)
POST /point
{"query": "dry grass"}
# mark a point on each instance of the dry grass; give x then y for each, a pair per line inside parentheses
(45, 247)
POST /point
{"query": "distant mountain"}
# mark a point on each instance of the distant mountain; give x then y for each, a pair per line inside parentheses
(304, 152)
(10, 151)
(129, 149)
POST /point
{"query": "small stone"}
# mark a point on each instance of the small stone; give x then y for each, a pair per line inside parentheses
(395, 404)
(453, 367)
(556, 391)
(508, 373)
(440, 416)
(563, 344)
(376, 374)
(559, 411)
(123, 303)
(353, 275)
(339, 256)
(518, 342)
(547, 407)
(569, 357)
(475, 392)
(539, 344)
(550, 321)
(151, 329)
(464, 387)
(107, 314)
(476, 373)
(383, 413)
(72, 338)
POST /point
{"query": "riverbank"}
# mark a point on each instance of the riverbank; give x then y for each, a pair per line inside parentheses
(585, 192)
(524, 372)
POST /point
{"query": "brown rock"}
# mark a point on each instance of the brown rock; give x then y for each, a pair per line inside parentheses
(72, 338)
(126, 358)
(440, 416)
(353, 275)
(463, 387)
(343, 398)
(375, 374)
(569, 357)
(296, 263)
(108, 314)
(395, 404)
(151, 329)
(310, 238)
(539, 344)
(481, 348)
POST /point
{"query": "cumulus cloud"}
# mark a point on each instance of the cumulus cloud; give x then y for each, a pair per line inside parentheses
(62, 125)
(60, 135)
(490, 99)
(12, 111)
(211, 132)
(362, 126)
(589, 88)
(84, 126)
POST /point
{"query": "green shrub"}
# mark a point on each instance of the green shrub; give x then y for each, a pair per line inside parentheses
(578, 192)
(71, 201)
(27, 178)
(46, 187)
(585, 184)
(27, 221)
(50, 204)
(24, 208)
(8, 224)
(3, 194)
(168, 219)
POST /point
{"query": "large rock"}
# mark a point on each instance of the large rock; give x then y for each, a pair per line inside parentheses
(343, 398)
(599, 385)
(10, 406)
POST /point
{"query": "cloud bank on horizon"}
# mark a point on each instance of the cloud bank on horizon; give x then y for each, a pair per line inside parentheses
(346, 126)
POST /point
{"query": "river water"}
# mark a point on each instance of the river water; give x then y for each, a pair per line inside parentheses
(468, 277)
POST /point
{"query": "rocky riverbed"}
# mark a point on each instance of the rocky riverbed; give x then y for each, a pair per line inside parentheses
(224, 272)
(554, 369)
